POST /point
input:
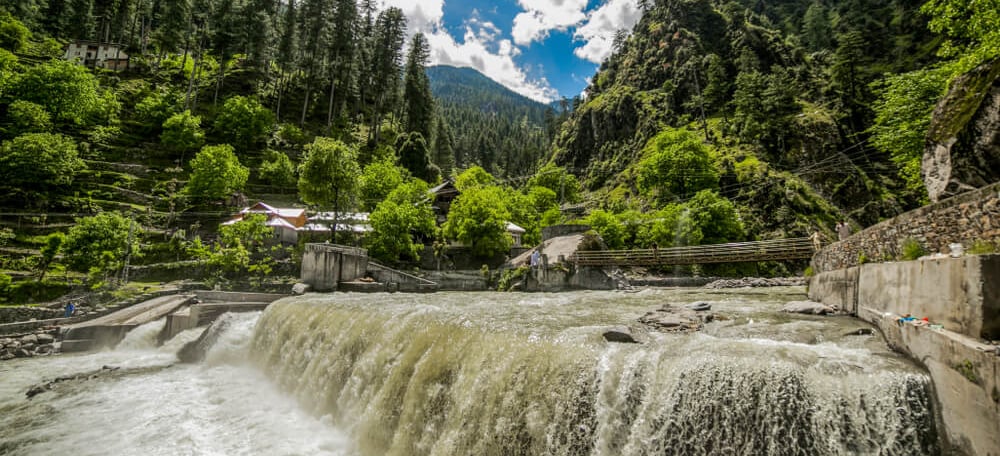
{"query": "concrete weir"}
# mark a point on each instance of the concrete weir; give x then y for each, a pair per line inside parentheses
(110, 329)
(961, 299)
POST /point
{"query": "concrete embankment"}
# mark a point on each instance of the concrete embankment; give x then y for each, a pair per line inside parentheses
(960, 297)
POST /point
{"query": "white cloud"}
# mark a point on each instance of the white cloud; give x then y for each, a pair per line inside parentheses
(494, 58)
(481, 48)
(421, 15)
(541, 16)
(598, 33)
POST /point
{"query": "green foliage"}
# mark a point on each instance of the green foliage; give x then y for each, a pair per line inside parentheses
(609, 227)
(27, 117)
(6, 235)
(676, 164)
(473, 177)
(912, 250)
(979, 247)
(13, 34)
(4, 283)
(328, 174)
(509, 277)
(541, 199)
(53, 245)
(182, 132)
(378, 179)
(39, 161)
(8, 63)
(972, 28)
(244, 122)
(156, 108)
(415, 157)
(278, 169)
(671, 226)
(405, 213)
(216, 173)
(101, 242)
(478, 219)
(556, 178)
(716, 218)
(66, 90)
(903, 115)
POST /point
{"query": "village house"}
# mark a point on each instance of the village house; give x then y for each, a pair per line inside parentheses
(95, 54)
(291, 224)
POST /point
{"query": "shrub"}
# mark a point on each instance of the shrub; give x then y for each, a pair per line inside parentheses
(912, 249)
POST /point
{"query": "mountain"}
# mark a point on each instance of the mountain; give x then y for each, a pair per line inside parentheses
(492, 126)
(782, 94)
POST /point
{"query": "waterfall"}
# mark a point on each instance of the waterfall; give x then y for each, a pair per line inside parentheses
(449, 375)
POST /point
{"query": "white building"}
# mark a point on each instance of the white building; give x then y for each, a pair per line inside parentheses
(96, 54)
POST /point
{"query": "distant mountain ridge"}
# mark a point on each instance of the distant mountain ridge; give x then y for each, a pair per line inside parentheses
(494, 127)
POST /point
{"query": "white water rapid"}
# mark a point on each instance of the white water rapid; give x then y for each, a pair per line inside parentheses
(485, 374)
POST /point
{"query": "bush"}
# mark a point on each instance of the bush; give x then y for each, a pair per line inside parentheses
(912, 249)
(27, 117)
(983, 247)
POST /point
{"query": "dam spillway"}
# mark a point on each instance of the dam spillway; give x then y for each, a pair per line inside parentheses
(490, 374)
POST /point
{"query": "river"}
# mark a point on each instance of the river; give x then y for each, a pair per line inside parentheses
(484, 374)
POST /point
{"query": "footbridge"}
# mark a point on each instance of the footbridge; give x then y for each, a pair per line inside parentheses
(737, 252)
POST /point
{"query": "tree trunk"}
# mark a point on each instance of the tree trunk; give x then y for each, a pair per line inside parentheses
(329, 109)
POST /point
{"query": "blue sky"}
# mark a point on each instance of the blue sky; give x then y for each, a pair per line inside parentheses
(542, 49)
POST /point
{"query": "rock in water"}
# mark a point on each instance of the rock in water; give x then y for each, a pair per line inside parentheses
(808, 307)
(45, 338)
(301, 288)
(620, 334)
(699, 306)
(963, 139)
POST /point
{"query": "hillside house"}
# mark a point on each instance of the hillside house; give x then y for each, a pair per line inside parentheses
(94, 54)
(444, 195)
(286, 222)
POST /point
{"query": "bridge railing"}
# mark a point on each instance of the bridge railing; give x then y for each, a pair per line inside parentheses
(737, 252)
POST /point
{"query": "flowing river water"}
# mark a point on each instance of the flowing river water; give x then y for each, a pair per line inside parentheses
(484, 374)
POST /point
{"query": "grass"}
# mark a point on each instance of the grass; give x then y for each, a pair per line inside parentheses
(912, 250)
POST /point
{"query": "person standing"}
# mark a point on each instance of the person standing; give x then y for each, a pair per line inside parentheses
(843, 230)
(70, 308)
(816, 240)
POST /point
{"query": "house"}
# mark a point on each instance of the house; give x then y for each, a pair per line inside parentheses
(516, 233)
(95, 54)
(286, 222)
(347, 222)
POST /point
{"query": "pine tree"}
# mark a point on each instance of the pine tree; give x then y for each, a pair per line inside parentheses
(387, 56)
(417, 91)
(816, 30)
(341, 57)
(174, 17)
(82, 24)
(444, 149)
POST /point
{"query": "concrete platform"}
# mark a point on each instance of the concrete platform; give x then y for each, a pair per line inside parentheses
(110, 329)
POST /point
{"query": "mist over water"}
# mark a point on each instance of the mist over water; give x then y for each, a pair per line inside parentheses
(483, 374)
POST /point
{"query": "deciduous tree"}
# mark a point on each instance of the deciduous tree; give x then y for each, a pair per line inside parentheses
(216, 173)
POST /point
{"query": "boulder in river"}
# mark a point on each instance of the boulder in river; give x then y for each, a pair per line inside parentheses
(699, 306)
(620, 334)
(29, 339)
(44, 338)
(808, 307)
(676, 319)
(301, 288)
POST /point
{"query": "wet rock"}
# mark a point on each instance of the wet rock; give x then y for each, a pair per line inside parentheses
(22, 353)
(29, 347)
(861, 332)
(6, 355)
(808, 307)
(620, 334)
(44, 349)
(13, 345)
(5, 341)
(29, 339)
(301, 288)
(699, 306)
(757, 282)
(45, 338)
(671, 319)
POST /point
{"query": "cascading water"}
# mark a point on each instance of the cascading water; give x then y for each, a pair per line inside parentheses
(488, 374)
(482, 374)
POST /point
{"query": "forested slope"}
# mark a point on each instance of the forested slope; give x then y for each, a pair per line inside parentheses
(784, 97)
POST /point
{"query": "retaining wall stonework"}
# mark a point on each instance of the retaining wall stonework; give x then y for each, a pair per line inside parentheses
(966, 218)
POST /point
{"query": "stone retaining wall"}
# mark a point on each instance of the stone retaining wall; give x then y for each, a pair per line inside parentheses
(966, 218)
(19, 314)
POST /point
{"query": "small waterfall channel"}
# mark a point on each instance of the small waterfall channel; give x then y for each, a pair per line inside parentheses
(483, 374)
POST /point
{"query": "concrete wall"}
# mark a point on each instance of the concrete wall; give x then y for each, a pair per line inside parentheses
(553, 279)
(962, 295)
(963, 219)
(324, 266)
(554, 231)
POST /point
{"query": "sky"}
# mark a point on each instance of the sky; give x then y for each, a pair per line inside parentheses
(542, 49)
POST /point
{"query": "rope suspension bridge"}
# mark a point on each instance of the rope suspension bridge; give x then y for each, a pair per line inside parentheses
(738, 252)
